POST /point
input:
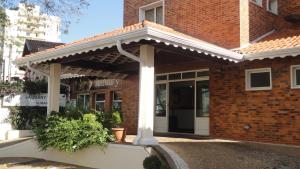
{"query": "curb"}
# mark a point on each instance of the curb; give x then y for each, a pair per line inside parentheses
(172, 158)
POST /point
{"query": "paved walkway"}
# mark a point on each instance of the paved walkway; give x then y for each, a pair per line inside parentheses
(222, 154)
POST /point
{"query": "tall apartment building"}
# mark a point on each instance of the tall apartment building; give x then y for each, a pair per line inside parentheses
(25, 22)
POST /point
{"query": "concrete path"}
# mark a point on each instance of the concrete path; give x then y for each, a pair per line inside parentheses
(12, 142)
(223, 154)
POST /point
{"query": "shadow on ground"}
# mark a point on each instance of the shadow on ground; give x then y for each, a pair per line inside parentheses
(30, 163)
(236, 155)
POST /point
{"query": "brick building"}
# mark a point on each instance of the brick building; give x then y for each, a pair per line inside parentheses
(227, 70)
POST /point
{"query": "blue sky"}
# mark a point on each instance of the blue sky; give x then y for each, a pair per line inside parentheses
(101, 16)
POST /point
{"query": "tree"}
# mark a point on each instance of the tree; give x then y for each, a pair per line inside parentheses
(62, 8)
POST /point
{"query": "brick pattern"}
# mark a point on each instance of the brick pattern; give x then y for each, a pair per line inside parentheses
(130, 97)
(273, 115)
(261, 21)
(211, 21)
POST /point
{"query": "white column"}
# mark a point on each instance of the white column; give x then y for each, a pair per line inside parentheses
(54, 88)
(146, 97)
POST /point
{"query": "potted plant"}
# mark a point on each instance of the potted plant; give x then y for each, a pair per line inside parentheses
(118, 132)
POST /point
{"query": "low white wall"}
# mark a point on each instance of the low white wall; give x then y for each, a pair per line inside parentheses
(15, 134)
(115, 156)
(4, 125)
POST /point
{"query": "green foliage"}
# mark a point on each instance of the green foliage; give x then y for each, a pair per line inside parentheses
(153, 162)
(27, 118)
(107, 119)
(116, 118)
(70, 135)
(35, 87)
(7, 88)
(30, 87)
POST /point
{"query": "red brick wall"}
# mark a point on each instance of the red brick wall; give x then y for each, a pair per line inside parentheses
(130, 97)
(263, 21)
(260, 20)
(274, 115)
(211, 21)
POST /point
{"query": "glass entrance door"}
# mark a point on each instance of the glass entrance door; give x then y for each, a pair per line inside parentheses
(182, 106)
(202, 108)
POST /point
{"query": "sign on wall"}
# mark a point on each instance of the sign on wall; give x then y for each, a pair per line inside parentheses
(39, 100)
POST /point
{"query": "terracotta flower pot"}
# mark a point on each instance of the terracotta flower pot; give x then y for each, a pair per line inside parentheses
(119, 133)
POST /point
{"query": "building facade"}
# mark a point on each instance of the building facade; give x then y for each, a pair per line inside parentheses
(224, 70)
(25, 22)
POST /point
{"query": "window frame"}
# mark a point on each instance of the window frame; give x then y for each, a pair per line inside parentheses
(100, 101)
(154, 5)
(294, 77)
(116, 101)
(257, 3)
(270, 10)
(84, 101)
(248, 73)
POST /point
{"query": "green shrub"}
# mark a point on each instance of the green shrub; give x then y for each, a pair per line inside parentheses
(116, 118)
(7, 88)
(70, 112)
(70, 135)
(27, 118)
(153, 162)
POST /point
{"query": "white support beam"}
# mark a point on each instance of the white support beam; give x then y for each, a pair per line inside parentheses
(146, 97)
(54, 88)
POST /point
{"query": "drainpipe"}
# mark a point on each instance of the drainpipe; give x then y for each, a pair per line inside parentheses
(48, 76)
(125, 53)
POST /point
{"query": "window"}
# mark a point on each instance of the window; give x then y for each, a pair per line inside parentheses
(100, 101)
(161, 100)
(83, 101)
(295, 77)
(188, 75)
(117, 101)
(258, 79)
(175, 76)
(257, 2)
(272, 6)
(202, 98)
(153, 12)
(27, 33)
(161, 77)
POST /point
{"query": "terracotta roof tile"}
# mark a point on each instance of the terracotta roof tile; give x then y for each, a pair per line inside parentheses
(121, 31)
(283, 39)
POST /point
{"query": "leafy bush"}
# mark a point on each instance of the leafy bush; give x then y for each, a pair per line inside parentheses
(153, 162)
(7, 88)
(40, 86)
(35, 87)
(27, 118)
(107, 119)
(116, 119)
(70, 135)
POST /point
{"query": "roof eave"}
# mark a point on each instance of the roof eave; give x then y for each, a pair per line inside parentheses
(147, 33)
(273, 54)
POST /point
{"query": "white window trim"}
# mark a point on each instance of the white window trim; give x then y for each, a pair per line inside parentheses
(268, 8)
(248, 72)
(150, 6)
(293, 76)
(258, 4)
